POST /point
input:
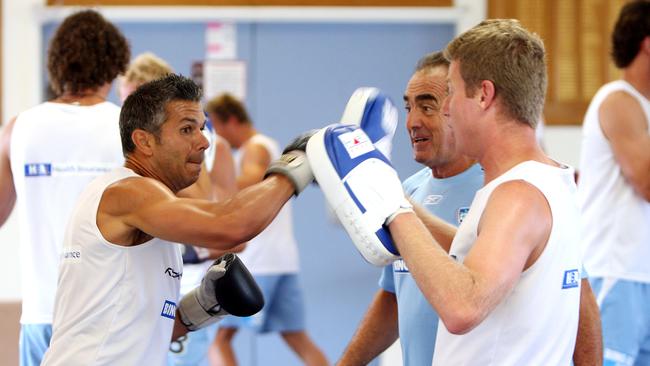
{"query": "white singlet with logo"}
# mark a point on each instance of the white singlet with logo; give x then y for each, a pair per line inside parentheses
(274, 250)
(616, 220)
(56, 150)
(115, 305)
(536, 323)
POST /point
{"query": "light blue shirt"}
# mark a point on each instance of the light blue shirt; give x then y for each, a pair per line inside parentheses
(449, 199)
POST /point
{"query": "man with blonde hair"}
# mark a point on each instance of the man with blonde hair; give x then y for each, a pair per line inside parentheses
(506, 283)
(144, 68)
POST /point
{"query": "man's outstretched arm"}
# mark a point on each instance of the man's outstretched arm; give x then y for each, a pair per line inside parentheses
(589, 343)
(377, 331)
(7, 189)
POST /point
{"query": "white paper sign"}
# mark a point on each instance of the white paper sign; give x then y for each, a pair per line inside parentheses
(224, 77)
(220, 41)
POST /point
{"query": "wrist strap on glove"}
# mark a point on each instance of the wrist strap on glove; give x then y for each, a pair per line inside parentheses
(295, 166)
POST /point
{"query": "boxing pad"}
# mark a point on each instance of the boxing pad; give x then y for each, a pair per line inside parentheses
(226, 288)
(376, 114)
(361, 187)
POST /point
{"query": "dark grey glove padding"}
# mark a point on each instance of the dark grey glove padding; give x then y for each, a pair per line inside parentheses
(226, 288)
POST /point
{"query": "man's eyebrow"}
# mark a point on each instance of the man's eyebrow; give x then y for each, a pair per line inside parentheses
(192, 120)
(422, 97)
(426, 98)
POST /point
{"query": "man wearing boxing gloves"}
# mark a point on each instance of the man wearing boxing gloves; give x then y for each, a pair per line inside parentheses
(445, 188)
(506, 283)
(117, 301)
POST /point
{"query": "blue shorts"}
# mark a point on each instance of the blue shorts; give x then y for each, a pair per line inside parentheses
(34, 341)
(192, 348)
(284, 310)
(625, 315)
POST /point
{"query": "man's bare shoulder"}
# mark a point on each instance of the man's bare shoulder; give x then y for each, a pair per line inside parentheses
(620, 109)
(517, 191)
(255, 146)
(619, 99)
(5, 136)
(130, 194)
(255, 152)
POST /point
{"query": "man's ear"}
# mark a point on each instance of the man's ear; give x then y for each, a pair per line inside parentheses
(645, 45)
(232, 120)
(143, 141)
(487, 94)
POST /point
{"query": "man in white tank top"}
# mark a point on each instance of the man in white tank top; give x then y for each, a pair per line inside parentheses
(49, 153)
(276, 274)
(506, 284)
(614, 193)
(117, 296)
(399, 311)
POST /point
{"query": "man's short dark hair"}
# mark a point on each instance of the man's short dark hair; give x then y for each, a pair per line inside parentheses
(144, 109)
(431, 61)
(225, 106)
(631, 28)
(86, 52)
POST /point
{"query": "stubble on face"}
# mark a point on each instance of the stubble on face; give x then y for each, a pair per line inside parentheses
(428, 130)
(182, 143)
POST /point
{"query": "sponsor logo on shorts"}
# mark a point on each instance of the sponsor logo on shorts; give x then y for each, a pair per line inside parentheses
(356, 143)
(432, 199)
(173, 274)
(38, 169)
(169, 310)
(571, 279)
(461, 214)
(400, 267)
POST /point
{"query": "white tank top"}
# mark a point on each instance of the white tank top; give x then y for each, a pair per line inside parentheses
(56, 150)
(274, 250)
(536, 323)
(115, 305)
(193, 272)
(616, 220)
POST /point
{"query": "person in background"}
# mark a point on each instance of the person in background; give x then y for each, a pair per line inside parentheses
(49, 153)
(272, 256)
(614, 192)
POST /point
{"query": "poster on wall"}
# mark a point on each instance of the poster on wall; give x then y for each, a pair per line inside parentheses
(224, 77)
(220, 41)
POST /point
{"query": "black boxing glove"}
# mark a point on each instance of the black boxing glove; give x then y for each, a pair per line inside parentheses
(227, 288)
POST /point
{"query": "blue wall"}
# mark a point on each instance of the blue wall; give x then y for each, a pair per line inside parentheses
(300, 77)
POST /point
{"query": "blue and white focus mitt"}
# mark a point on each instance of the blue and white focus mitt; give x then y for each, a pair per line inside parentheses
(373, 111)
(361, 186)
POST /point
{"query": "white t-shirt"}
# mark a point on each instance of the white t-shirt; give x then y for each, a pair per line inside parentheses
(536, 323)
(56, 150)
(616, 220)
(274, 250)
(115, 305)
